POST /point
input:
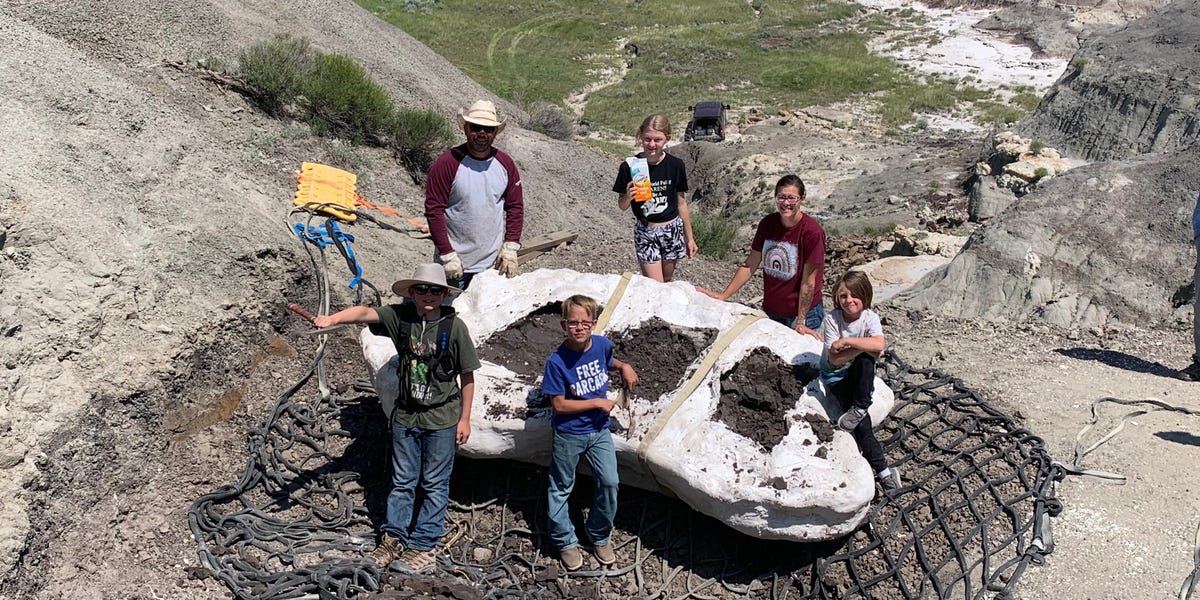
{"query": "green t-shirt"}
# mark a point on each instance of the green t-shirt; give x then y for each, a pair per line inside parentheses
(427, 402)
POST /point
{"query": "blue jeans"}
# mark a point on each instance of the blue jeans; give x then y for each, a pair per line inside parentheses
(422, 460)
(564, 457)
(812, 320)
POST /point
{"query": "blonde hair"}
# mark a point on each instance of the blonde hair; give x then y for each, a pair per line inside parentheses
(657, 123)
(587, 303)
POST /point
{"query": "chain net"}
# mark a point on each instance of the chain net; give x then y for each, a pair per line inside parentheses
(974, 511)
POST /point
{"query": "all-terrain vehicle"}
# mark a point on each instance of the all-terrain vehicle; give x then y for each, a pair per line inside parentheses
(708, 122)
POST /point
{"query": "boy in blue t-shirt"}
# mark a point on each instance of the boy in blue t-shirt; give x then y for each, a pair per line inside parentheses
(576, 380)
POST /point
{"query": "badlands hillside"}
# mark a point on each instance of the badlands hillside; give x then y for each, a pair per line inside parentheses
(146, 262)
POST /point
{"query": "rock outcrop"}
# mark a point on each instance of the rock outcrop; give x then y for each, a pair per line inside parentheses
(1104, 242)
(1133, 91)
(145, 256)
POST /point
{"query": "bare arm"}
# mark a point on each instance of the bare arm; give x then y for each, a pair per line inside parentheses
(562, 406)
(628, 375)
(467, 382)
(808, 287)
(624, 200)
(740, 277)
(845, 349)
(354, 314)
(685, 215)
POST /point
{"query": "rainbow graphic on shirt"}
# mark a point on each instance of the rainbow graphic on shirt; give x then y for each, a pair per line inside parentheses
(779, 259)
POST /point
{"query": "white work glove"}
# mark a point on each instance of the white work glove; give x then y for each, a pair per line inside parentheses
(506, 262)
(452, 264)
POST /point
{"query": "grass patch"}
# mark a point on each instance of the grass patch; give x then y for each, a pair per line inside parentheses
(338, 99)
(614, 150)
(879, 231)
(997, 113)
(793, 54)
(931, 95)
(714, 235)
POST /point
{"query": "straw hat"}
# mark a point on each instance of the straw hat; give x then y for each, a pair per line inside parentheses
(430, 273)
(483, 112)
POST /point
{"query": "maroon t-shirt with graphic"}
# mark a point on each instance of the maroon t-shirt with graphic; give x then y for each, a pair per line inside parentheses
(784, 253)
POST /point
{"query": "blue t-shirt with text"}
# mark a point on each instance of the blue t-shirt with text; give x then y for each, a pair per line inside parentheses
(579, 376)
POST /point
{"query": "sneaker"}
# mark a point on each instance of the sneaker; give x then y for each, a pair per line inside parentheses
(890, 483)
(571, 558)
(417, 561)
(389, 549)
(852, 418)
(604, 554)
(1191, 373)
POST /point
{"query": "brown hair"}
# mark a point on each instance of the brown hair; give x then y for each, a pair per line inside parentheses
(790, 181)
(657, 123)
(585, 302)
(859, 286)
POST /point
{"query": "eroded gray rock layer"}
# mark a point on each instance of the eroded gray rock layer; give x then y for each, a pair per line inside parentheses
(1102, 243)
(1130, 92)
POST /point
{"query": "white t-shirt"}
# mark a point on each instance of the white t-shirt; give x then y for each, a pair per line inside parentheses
(835, 327)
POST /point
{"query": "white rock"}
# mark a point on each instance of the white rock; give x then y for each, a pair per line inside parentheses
(894, 274)
(789, 493)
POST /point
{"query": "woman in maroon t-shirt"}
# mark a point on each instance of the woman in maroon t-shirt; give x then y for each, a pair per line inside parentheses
(790, 246)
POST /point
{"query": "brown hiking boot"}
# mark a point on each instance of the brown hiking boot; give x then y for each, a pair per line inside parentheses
(604, 554)
(417, 561)
(572, 558)
(388, 550)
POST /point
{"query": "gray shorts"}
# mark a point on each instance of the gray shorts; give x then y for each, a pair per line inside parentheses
(657, 244)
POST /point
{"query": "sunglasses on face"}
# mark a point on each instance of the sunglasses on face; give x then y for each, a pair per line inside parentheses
(428, 289)
(484, 128)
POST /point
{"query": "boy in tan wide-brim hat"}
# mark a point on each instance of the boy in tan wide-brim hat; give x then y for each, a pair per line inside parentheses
(474, 203)
(432, 414)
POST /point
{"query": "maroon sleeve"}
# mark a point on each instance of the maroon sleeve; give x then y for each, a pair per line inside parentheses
(514, 200)
(437, 195)
(760, 235)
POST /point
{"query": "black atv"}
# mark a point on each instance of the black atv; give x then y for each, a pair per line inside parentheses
(708, 122)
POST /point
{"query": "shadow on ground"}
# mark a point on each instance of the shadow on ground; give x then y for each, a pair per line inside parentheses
(1179, 437)
(1119, 360)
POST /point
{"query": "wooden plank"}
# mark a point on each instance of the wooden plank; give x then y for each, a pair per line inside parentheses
(546, 241)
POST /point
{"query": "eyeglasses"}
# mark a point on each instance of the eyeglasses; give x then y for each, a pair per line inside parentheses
(579, 324)
(484, 128)
(788, 198)
(422, 288)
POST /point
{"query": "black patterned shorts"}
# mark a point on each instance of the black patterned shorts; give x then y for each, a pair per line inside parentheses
(656, 244)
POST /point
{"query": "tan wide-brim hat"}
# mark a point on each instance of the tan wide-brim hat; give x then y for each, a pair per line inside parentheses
(431, 273)
(483, 112)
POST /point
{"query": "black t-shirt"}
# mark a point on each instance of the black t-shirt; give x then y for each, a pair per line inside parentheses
(668, 179)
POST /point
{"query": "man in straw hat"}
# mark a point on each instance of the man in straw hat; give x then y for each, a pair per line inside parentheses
(432, 414)
(473, 201)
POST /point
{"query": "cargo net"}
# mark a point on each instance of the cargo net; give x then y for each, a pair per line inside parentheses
(973, 513)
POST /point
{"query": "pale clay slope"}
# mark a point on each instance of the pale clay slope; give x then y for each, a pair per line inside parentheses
(114, 277)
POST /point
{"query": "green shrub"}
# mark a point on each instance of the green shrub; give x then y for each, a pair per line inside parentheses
(1078, 63)
(714, 235)
(416, 137)
(1036, 147)
(548, 119)
(336, 97)
(1041, 172)
(342, 100)
(277, 70)
(882, 230)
